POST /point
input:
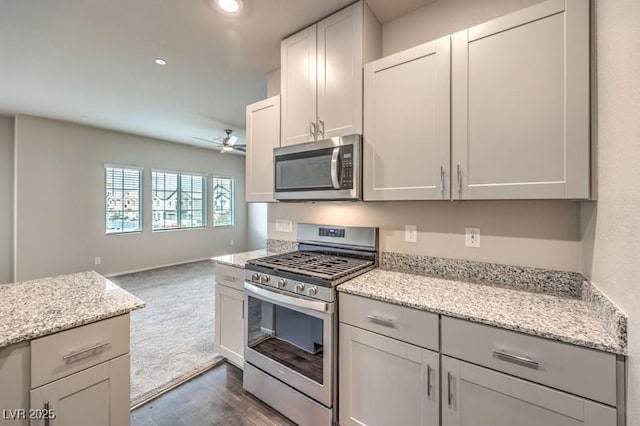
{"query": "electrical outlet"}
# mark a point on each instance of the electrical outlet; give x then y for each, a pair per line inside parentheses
(97, 260)
(411, 233)
(284, 225)
(472, 237)
(232, 242)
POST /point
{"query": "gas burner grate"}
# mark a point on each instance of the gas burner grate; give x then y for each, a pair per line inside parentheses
(326, 266)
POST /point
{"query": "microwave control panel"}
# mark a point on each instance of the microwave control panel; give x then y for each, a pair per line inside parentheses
(346, 177)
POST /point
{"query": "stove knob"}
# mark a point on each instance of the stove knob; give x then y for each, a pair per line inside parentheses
(255, 278)
(299, 288)
(264, 279)
(282, 283)
(312, 291)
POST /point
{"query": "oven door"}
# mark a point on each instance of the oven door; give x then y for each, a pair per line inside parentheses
(321, 170)
(291, 338)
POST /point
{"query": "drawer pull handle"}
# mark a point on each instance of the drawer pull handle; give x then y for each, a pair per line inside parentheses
(449, 389)
(47, 420)
(516, 359)
(93, 349)
(381, 321)
(429, 386)
(230, 278)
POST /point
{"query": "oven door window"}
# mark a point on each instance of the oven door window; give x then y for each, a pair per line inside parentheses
(288, 337)
(304, 171)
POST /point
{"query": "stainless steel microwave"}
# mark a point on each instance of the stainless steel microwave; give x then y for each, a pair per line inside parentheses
(329, 169)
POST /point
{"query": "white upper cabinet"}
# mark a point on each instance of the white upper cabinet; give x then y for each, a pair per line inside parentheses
(340, 73)
(407, 124)
(298, 87)
(263, 134)
(520, 105)
(321, 75)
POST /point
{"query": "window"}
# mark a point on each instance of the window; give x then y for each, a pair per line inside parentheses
(123, 200)
(178, 200)
(222, 202)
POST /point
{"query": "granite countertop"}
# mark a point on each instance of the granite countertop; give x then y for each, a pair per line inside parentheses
(36, 308)
(559, 318)
(240, 259)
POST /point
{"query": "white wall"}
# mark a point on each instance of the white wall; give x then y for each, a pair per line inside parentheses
(256, 226)
(6, 195)
(611, 227)
(443, 17)
(60, 200)
(527, 233)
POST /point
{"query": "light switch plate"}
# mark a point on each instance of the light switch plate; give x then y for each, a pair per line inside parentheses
(472, 237)
(284, 225)
(97, 260)
(411, 233)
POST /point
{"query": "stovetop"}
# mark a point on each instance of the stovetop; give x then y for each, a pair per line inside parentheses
(327, 267)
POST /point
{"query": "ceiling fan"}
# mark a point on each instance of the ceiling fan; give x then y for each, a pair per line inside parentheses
(228, 142)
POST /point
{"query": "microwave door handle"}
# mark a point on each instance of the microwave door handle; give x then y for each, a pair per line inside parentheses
(334, 168)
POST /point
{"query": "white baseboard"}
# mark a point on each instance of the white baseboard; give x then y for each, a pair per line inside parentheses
(116, 274)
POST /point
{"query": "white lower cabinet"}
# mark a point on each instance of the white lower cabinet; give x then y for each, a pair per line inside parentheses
(97, 396)
(384, 381)
(229, 313)
(477, 396)
(229, 338)
(14, 384)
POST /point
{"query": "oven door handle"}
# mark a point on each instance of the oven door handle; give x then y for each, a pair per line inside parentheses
(334, 168)
(279, 298)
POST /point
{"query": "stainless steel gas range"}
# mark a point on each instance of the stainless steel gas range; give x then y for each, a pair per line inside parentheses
(291, 325)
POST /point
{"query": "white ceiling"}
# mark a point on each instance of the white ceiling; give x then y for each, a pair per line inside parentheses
(70, 59)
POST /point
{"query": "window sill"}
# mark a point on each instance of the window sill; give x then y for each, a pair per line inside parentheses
(161, 231)
(123, 233)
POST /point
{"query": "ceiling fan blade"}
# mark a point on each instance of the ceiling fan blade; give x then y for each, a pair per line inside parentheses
(208, 140)
(241, 148)
(233, 140)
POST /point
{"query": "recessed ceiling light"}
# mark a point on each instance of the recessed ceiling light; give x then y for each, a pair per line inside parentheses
(231, 6)
(160, 61)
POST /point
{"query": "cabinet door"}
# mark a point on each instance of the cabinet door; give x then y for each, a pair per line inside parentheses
(340, 73)
(520, 94)
(407, 124)
(14, 384)
(298, 87)
(263, 134)
(386, 382)
(476, 396)
(97, 396)
(229, 319)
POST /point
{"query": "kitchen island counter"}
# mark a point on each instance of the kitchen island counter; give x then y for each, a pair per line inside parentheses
(40, 307)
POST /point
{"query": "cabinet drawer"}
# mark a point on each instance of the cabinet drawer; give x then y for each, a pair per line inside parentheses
(408, 325)
(581, 371)
(230, 276)
(67, 352)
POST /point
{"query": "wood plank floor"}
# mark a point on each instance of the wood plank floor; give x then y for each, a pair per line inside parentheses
(213, 398)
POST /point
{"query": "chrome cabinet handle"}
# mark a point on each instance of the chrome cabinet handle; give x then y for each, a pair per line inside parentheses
(381, 321)
(47, 421)
(95, 348)
(449, 389)
(429, 386)
(442, 175)
(312, 129)
(321, 125)
(516, 359)
(459, 173)
(229, 278)
(335, 156)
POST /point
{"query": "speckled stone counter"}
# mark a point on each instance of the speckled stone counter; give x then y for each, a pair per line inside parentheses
(36, 308)
(569, 320)
(240, 259)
